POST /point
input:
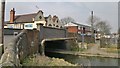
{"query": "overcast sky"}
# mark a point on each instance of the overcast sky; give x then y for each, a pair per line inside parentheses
(80, 11)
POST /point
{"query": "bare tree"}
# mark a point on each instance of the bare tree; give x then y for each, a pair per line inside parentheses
(103, 27)
(67, 20)
(94, 21)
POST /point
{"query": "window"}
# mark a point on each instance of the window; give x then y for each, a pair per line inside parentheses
(40, 17)
(61, 27)
(57, 26)
(29, 25)
(57, 21)
(49, 25)
(79, 27)
(84, 30)
(10, 26)
(46, 21)
(53, 24)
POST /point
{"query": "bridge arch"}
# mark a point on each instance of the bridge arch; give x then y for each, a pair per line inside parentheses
(57, 43)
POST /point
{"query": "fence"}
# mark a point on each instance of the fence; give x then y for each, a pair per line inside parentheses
(87, 39)
(108, 42)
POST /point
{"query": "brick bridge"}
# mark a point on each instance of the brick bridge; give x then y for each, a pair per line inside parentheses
(29, 42)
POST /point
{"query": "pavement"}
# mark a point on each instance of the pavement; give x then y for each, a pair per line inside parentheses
(95, 50)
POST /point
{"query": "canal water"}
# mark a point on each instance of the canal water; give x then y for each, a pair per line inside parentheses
(86, 61)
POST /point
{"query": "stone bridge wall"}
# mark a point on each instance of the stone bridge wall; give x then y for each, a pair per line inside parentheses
(24, 44)
(28, 44)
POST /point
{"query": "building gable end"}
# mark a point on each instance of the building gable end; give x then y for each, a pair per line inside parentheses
(39, 17)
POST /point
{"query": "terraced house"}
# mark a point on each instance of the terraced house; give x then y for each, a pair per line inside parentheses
(30, 21)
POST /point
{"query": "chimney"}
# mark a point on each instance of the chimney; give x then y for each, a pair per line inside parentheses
(12, 15)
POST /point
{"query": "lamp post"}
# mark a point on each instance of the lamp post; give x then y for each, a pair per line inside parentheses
(2, 11)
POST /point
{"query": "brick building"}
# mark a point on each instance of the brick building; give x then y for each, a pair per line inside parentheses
(73, 27)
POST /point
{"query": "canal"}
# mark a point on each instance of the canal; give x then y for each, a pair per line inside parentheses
(86, 61)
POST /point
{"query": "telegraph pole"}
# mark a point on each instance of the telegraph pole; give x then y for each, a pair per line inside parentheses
(2, 13)
(92, 27)
(83, 32)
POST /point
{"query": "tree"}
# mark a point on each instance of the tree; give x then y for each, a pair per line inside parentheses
(67, 20)
(103, 27)
(100, 25)
(95, 20)
(92, 20)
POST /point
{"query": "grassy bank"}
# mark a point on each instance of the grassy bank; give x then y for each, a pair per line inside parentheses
(111, 50)
(38, 60)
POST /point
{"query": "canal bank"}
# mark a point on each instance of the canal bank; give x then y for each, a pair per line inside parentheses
(104, 55)
(86, 60)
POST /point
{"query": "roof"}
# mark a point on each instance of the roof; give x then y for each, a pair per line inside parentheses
(81, 24)
(76, 24)
(25, 18)
(28, 18)
(71, 24)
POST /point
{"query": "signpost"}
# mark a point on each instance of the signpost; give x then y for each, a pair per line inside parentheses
(2, 11)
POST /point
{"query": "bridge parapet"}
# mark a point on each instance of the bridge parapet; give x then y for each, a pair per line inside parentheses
(49, 32)
(24, 44)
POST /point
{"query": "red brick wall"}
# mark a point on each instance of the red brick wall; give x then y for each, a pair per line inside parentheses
(73, 29)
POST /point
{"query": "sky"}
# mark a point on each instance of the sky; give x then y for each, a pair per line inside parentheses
(78, 10)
